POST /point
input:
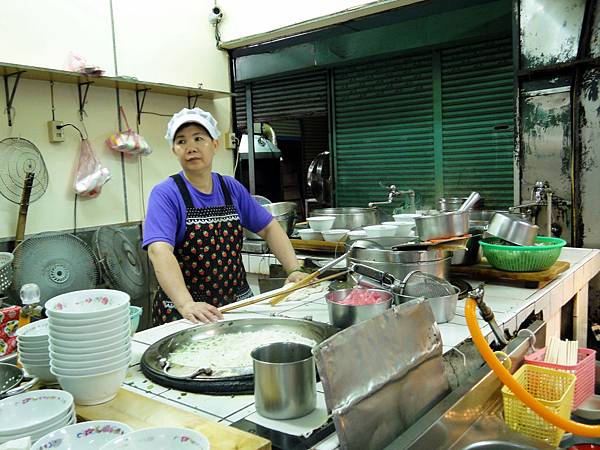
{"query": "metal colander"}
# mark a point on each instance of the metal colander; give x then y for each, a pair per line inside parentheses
(420, 284)
(6, 260)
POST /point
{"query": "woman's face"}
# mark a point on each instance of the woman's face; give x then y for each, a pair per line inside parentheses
(194, 148)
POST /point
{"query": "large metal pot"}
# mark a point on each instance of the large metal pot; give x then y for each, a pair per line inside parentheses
(282, 212)
(513, 229)
(400, 262)
(447, 204)
(442, 225)
(350, 218)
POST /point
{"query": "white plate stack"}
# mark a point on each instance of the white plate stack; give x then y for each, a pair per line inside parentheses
(90, 346)
(35, 414)
(32, 345)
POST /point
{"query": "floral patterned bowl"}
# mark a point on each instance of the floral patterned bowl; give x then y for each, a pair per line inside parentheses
(89, 303)
(171, 438)
(82, 436)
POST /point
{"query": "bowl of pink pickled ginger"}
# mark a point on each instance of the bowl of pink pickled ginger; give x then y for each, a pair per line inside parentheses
(349, 306)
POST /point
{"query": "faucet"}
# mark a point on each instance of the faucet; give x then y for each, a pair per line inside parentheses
(394, 192)
(541, 195)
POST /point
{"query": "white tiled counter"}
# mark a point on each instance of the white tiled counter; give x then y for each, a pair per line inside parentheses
(510, 304)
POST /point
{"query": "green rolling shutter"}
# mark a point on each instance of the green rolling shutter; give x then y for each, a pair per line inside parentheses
(440, 123)
(290, 97)
(383, 129)
(477, 121)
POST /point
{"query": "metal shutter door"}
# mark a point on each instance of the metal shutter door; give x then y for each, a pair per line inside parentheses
(383, 128)
(478, 121)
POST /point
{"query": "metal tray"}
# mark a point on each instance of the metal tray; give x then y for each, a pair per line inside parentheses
(239, 379)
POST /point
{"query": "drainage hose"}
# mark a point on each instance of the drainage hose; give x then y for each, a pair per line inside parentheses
(506, 378)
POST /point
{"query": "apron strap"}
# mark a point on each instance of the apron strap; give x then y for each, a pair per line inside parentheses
(185, 193)
(226, 193)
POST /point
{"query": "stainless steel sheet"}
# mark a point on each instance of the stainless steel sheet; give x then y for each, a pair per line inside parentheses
(380, 376)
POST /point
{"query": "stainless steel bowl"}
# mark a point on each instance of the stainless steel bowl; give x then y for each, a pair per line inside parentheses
(343, 316)
(444, 308)
(443, 225)
(283, 212)
(513, 229)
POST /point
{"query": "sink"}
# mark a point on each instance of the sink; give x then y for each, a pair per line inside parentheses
(498, 445)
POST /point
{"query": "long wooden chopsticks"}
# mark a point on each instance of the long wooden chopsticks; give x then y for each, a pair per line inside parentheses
(282, 292)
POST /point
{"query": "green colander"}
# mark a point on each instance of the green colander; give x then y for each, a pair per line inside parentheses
(515, 258)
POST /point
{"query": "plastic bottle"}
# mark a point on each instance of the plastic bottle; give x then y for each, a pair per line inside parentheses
(30, 299)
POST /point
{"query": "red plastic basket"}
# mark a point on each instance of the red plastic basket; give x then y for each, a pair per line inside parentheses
(584, 370)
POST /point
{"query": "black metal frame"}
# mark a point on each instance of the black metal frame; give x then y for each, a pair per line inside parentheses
(11, 96)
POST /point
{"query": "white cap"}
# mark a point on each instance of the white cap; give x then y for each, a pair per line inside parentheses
(195, 115)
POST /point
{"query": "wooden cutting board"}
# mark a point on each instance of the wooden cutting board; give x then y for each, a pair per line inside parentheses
(139, 411)
(484, 271)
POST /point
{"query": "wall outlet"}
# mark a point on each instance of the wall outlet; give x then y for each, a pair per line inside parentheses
(230, 141)
(55, 134)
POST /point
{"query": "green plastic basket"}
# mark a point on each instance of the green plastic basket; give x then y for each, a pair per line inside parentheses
(514, 258)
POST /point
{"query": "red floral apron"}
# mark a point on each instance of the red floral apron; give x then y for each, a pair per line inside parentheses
(209, 257)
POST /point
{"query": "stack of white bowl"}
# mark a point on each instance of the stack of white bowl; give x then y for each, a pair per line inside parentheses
(32, 345)
(90, 345)
(83, 436)
(35, 414)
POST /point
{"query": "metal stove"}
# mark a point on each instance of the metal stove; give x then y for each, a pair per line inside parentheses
(255, 246)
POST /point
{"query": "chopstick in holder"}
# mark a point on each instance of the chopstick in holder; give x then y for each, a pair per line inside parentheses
(275, 293)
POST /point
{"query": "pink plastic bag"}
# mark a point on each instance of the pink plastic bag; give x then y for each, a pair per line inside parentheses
(90, 175)
(128, 141)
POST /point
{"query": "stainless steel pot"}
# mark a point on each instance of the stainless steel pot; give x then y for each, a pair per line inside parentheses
(283, 212)
(447, 204)
(350, 218)
(444, 308)
(513, 229)
(442, 225)
(343, 316)
(284, 380)
(400, 262)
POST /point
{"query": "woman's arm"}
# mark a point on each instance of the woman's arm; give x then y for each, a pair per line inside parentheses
(171, 280)
(280, 245)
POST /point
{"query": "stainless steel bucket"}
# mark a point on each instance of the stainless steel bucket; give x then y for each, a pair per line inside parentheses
(343, 316)
(283, 212)
(350, 218)
(284, 380)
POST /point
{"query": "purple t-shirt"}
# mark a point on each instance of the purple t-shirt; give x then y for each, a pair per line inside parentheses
(165, 217)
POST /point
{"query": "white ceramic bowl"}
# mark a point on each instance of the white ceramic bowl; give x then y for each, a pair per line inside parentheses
(90, 369)
(88, 343)
(403, 229)
(335, 235)
(36, 433)
(30, 410)
(34, 359)
(99, 327)
(90, 336)
(89, 357)
(60, 349)
(160, 438)
(357, 234)
(33, 349)
(309, 234)
(42, 371)
(88, 304)
(33, 332)
(93, 389)
(81, 321)
(405, 217)
(82, 436)
(375, 231)
(321, 223)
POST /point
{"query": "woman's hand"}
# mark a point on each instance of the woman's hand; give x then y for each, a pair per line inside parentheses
(197, 312)
(296, 276)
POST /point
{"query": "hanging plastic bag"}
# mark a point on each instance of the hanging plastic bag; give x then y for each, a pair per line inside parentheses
(128, 141)
(78, 63)
(90, 175)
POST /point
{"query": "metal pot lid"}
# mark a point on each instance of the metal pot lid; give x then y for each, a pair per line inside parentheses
(226, 379)
(397, 256)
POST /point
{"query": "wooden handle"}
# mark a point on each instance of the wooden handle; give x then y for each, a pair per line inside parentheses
(282, 297)
(24, 206)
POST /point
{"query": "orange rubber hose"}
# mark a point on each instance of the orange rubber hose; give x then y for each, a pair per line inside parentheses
(506, 378)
